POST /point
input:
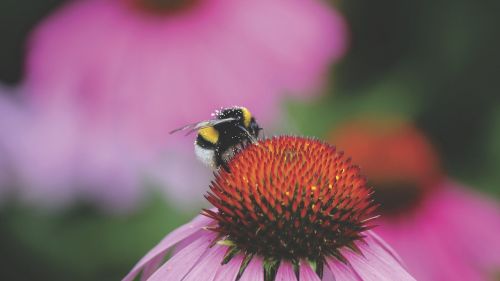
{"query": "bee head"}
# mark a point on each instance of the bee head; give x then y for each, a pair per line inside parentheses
(254, 128)
(244, 117)
(249, 122)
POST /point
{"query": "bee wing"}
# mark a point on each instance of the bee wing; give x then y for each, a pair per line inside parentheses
(203, 124)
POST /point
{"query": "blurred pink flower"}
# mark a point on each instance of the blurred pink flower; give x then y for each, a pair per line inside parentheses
(145, 73)
(50, 157)
(452, 236)
(441, 230)
(108, 79)
(9, 114)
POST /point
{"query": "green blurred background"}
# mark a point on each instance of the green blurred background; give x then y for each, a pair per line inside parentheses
(433, 62)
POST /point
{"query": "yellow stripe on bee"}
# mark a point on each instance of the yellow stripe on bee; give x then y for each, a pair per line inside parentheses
(209, 134)
(247, 116)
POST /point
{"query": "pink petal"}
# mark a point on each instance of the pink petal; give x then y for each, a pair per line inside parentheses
(327, 274)
(454, 226)
(285, 272)
(151, 267)
(377, 239)
(170, 240)
(427, 237)
(229, 271)
(341, 271)
(208, 265)
(448, 260)
(180, 264)
(306, 273)
(288, 43)
(474, 220)
(376, 264)
(254, 270)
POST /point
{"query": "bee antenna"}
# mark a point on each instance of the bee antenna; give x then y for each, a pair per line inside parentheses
(252, 138)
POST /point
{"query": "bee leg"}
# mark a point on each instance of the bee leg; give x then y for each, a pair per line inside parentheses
(219, 161)
(225, 166)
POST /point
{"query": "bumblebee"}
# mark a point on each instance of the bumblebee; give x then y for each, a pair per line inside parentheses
(220, 139)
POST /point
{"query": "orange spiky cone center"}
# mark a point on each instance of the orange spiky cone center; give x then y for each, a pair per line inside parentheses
(290, 198)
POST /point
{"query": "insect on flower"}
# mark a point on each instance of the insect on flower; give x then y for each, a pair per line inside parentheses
(291, 209)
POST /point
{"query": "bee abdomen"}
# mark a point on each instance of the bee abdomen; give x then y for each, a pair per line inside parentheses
(205, 155)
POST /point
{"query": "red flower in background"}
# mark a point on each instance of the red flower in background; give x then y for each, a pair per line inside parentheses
(442, 230)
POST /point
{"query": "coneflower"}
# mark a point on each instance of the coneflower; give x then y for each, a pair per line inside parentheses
(424, 213)
(289, 208)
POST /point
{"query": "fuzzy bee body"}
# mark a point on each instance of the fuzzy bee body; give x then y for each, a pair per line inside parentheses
(220, 138)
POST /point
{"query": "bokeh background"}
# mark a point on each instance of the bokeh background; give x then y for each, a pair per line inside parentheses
(433, 63)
